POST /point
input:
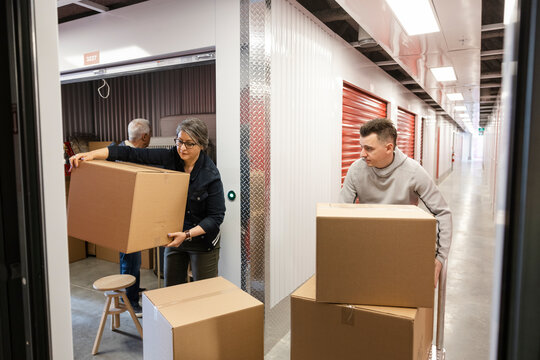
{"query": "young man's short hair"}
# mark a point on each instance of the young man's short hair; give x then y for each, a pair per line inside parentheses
(384, 128)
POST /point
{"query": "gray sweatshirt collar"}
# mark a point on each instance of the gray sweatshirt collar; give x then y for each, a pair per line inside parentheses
(399, 159)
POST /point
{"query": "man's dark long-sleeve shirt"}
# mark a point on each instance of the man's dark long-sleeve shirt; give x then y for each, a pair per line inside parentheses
(205, 203)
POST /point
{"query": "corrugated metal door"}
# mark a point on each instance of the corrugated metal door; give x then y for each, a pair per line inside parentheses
(358, 108)
(405, 130)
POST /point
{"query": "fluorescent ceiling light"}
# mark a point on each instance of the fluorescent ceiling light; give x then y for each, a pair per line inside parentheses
(445, 73)
(455, 96)
(460, 108)
(416, 16)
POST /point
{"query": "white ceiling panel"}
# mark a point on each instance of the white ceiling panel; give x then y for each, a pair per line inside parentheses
(458, 44)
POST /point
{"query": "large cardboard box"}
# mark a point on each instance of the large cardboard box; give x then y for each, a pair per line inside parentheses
(125, 207)
(337, 331)
(94, 145)
(208, 319)
(375, 255)
(76, 247)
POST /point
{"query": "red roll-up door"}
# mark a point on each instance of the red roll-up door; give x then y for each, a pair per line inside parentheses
(358, 108)
(405, 132)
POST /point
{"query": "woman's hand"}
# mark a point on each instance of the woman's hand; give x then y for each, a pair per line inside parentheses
(74, 160)
(177, 239)
(99, 154)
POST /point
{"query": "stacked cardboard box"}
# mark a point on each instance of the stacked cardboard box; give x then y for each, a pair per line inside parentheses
(207, 319)
(372, 296)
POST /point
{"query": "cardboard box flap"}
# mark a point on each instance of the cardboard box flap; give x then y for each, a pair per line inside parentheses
(200, 300)
(398, 312)
(210, 307)
(151, 168)
(370, 211)
(309, 288)
(127, 166)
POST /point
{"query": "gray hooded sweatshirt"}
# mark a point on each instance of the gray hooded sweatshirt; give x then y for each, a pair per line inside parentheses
(403, 182)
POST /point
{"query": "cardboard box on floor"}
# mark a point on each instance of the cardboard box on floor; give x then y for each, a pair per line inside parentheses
(207, 319)
(76, 247)
(337, 331)
(94, 145)
(375, 255)
(125, 207)
(147, 261)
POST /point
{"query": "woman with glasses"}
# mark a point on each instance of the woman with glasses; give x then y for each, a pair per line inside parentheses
(198, 243)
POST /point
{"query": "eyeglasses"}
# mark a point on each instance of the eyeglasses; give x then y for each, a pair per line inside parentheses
(188, 145)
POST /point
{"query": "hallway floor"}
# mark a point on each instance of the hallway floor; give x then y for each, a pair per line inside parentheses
(469, 283)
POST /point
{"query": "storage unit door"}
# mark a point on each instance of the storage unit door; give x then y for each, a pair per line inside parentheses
(405, 132)
(358, 108)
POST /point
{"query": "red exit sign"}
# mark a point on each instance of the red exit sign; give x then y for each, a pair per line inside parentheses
(91, 58)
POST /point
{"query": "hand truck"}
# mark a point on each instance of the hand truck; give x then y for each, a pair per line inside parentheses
(437, 351)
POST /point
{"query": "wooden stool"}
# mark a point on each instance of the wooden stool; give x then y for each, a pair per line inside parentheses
(114, 288)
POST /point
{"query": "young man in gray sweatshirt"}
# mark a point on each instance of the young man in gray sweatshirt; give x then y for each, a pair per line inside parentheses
(384, 175)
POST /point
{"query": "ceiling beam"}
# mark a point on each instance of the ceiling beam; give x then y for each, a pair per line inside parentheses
(490, 75)
(408, 82)
(84, 3)
(93, 6)
(492, 52)
(489, 85)
(376, 48)
(61, 3)
(386, 63)
(330, 15)
(492, 27)
(491, 55)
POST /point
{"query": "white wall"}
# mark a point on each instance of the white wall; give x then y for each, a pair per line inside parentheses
(466, 153)
(148, 29)
(445, 147)
(228, 130)
(309, 65)
(492, 137)
(304, 94)
(52, 170)
(430, 146)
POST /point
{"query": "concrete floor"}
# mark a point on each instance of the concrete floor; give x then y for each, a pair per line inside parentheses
(469, 284)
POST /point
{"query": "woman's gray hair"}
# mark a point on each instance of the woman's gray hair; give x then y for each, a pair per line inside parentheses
(137, 128)
(196, 129)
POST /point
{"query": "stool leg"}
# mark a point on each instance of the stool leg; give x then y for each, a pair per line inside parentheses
(102, 325)
(115, 323)
(132, 313)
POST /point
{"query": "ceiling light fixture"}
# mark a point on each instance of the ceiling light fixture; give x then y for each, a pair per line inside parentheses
(460, 108)
(416, 16)
(445, 73)
(455, 97)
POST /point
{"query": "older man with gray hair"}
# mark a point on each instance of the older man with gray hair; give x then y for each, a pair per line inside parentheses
(139, 134)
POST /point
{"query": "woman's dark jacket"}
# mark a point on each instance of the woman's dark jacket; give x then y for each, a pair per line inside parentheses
(205, 203)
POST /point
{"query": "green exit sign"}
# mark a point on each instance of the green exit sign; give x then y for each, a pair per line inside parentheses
(480, 129)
